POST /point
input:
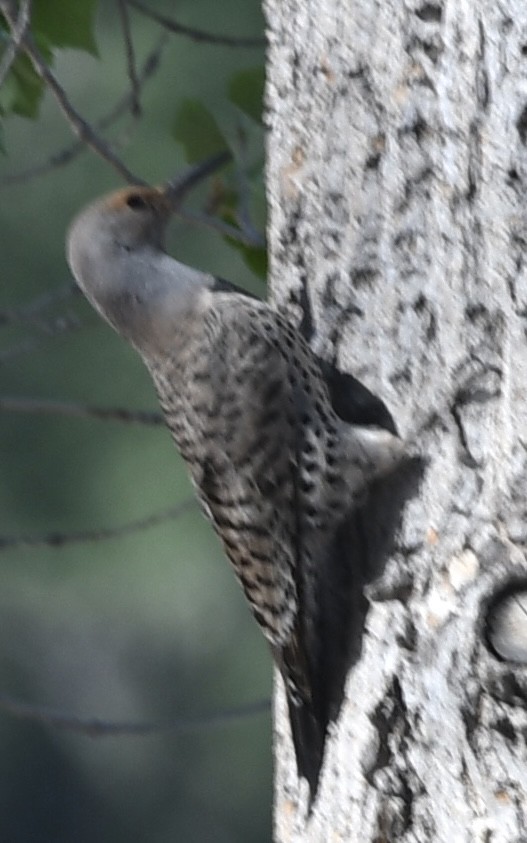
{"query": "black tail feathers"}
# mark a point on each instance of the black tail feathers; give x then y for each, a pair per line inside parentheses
(309, 735)
(316, 661)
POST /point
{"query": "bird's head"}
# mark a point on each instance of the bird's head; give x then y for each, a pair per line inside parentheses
(114, 246)
(134, 218)
(131, 219)
(115, 251)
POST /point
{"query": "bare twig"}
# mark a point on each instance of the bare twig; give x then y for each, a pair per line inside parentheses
(243, 217)
(31, 313)
(17, 33)
(62, 408)
(130, 57)
(196, 34)
(34, 314)
(180, 185)
(70, 152)
(250, 238)
(59, 540)
(62, 325)
(80, 126)
(50, 326)
(95, 727)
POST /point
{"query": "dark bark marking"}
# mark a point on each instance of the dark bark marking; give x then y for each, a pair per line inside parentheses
(431, 12)
(521, 125)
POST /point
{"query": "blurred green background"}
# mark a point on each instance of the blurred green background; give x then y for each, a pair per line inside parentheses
(151, 626)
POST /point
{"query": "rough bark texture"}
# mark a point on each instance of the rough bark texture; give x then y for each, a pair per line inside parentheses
(397, 173)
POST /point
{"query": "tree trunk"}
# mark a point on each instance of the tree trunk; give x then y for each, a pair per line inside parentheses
(397, 176)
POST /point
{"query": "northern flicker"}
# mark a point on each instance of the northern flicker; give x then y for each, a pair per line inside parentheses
(263, 427)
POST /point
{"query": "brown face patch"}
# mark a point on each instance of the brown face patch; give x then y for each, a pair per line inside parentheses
(133, 196)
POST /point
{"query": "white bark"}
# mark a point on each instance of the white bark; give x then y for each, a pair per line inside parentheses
(397, 174)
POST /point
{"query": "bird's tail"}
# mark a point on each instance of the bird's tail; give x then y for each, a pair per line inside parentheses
(308, 711)
(309, 736)
(326, 641)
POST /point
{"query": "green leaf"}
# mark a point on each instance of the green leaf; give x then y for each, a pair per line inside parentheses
(66, 23)
(254, 256)
(196, 129)
(22, 91)
(246, 90)
(2, 141)
(256, 260)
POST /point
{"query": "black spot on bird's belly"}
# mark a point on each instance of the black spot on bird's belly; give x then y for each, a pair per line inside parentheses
(271, 416)
(307, 485)
(271, 391)
(254, 340)
(232, 417)
(201, 376)
(224, 523)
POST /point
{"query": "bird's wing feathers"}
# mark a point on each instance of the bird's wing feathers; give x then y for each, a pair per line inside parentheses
(251, 416)
(246, 472)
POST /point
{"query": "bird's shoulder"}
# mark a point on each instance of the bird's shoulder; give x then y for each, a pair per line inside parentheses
(351, 400)
(259, 323)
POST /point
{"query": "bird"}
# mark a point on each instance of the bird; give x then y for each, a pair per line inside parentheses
(279, 446)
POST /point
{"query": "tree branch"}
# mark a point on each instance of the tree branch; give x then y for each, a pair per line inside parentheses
(30, 313)
(17, 33)
(243, 217)
(59, 540)
(70, 152)
(196, 34)
(63, 408)
(251, 238)
(30, 344)
(130, 57)
(80, 126)
(95, 727)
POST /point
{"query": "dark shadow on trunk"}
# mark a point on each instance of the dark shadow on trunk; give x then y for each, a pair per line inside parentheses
(357, 557)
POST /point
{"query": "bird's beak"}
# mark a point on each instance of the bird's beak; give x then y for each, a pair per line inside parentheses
(177, 188)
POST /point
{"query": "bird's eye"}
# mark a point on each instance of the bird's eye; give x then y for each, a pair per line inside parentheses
(136, 202)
